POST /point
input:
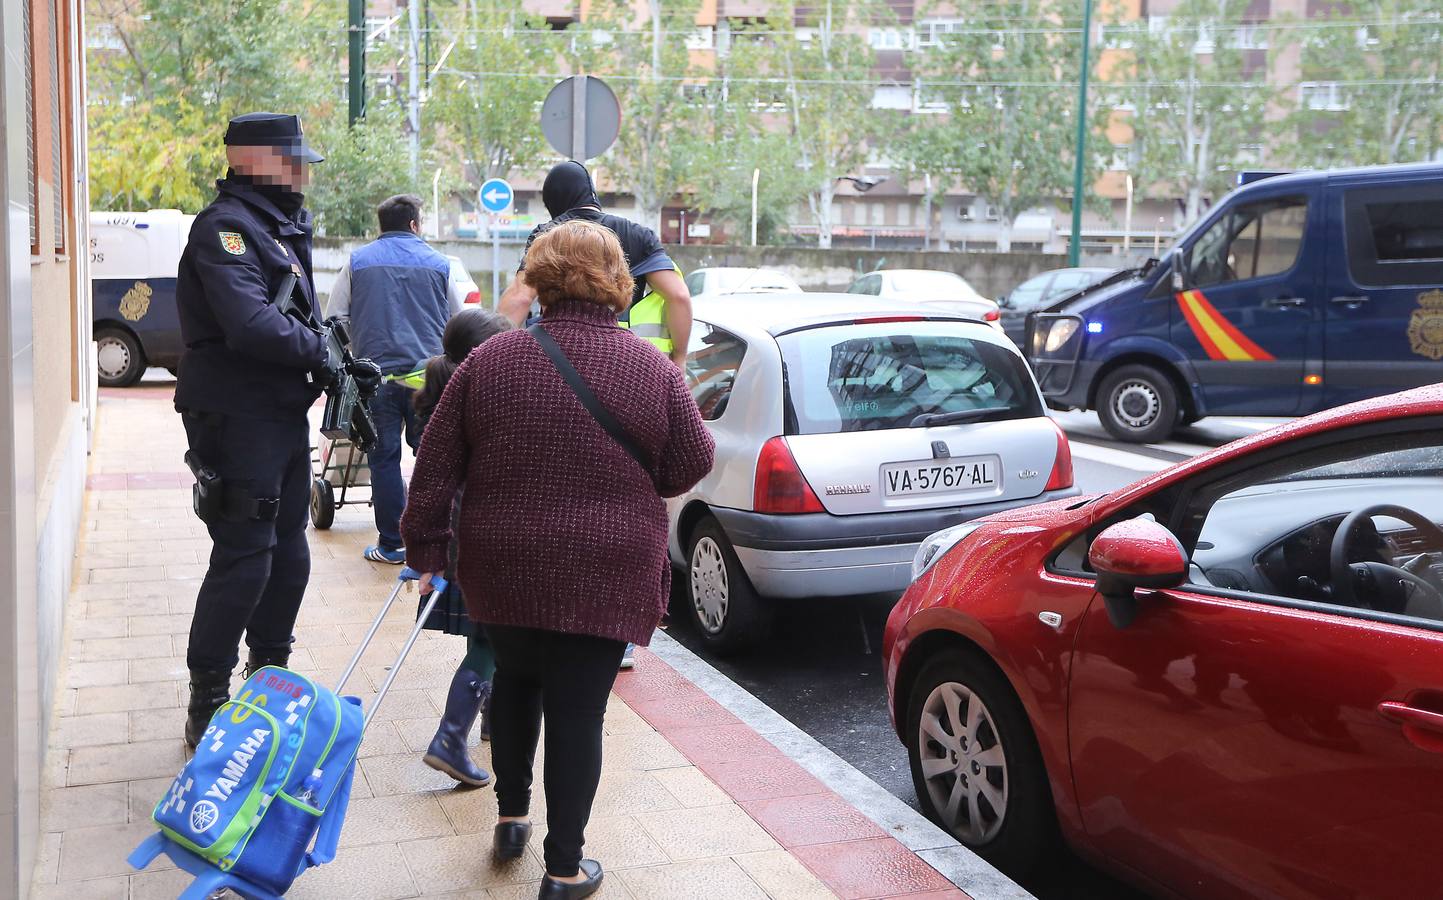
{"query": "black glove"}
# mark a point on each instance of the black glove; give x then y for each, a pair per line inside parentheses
(368, 377)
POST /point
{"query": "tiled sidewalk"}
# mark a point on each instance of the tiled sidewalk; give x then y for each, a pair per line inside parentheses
(693, 803)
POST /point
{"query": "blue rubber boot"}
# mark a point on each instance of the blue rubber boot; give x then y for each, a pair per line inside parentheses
(447, 752)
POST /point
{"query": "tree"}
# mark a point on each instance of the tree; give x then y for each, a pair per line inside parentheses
(662, 142)
(1006, 126)
(1372, 93)
(169, 73)
(811, 76)
(481, 105)
(365, 163)
(1201, 99)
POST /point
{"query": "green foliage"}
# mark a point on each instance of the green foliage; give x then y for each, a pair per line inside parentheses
(1396, 114)
(1004, 128)
(484, 126)
(1201, 101)
(177, 70)
(364, 165)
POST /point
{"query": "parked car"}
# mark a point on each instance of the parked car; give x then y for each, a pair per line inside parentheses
(1225, 680)
(1040, 291)
(463, 281)
(848, 429)
(945, 290)
(1295, 293)
(726, 280)
(134, 259)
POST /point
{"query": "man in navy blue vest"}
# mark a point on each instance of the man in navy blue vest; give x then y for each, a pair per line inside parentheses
(398, 294)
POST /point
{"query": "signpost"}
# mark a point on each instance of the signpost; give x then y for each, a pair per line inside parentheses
(581, 117)
(495, 197)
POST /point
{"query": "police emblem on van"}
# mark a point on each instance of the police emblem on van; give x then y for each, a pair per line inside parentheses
(136, 302)
(232, 243)
(1425, 328)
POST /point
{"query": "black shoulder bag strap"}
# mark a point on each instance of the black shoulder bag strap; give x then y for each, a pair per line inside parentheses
(600, 413)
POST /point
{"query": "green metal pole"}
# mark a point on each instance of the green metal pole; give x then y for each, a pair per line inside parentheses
(356, 47)
(1074, 248)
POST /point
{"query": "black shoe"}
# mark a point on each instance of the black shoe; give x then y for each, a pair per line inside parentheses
(209, 691)
(259, 659)
(551, 889)
(509, 840)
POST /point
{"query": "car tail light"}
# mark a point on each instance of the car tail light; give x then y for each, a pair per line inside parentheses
(781, 487)
(1061, 476)
(879, 320)
(473, 297)
(991, 315)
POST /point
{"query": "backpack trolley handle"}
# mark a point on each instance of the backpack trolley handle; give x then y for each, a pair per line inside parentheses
(438, 586)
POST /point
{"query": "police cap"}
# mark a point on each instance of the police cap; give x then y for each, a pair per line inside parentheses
(265, 129)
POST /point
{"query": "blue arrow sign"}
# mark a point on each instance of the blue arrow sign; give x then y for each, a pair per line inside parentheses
(496, 195)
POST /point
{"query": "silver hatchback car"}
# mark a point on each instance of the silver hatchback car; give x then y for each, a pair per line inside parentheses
(848, 429)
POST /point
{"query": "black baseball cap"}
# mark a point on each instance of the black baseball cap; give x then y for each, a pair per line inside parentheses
(265, 129)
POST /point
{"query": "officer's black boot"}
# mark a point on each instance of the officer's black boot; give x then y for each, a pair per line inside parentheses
(259, 659)
(447, 752)
(209, 691)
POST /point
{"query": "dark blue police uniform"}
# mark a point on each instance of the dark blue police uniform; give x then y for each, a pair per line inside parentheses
(243, 388)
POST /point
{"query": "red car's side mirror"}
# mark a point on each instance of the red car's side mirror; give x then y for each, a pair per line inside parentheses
(1137, 553)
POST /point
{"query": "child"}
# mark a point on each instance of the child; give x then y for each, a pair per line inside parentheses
(471, 686)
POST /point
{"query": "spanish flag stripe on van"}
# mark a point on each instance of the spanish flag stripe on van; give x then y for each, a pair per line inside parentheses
(1221, 340)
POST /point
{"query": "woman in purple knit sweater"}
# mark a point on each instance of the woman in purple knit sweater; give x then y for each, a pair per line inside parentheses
(562, 532)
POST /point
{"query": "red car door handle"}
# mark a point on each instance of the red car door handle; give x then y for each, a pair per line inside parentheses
(1411, 715)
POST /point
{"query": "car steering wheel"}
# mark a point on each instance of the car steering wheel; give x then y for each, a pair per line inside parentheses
(1348, 575)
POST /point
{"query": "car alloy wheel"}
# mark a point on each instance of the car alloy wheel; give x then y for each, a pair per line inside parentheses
(963, 762)
(710, 590)
(1136, 404)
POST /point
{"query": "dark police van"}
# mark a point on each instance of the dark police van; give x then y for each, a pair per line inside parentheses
(134, 258)
(1295, 293)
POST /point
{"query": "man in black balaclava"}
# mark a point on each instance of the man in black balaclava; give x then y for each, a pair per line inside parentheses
(243, 388)
(569, 194)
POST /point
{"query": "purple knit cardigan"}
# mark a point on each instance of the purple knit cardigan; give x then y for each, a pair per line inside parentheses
(560, 528)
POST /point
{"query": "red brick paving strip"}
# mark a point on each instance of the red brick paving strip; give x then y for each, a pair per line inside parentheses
(846, 850)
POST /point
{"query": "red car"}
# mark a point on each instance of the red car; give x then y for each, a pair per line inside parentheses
(1225, 680)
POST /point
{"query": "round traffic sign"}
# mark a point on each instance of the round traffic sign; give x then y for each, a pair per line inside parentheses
(581, 117)
(496, 195)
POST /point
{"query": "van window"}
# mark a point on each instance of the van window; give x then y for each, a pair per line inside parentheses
(1252, 241)
(1395, 235)
(712, 360)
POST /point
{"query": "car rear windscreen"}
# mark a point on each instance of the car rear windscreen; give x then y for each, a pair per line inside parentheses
(885, 375)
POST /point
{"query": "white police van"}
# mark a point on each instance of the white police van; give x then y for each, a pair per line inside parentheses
(134, 258)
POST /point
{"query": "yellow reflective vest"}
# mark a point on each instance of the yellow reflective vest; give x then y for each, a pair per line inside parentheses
(647, 319)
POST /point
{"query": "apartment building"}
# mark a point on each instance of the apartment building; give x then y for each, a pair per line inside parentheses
(46, 391)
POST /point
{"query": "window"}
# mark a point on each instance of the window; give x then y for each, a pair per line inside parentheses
(58, 94)
(712, 360)
(1121, 158)
(703, 38)
(885, 39)
(1252, 241)
(1075, 280)
(694, 282)
(885, 375)
(1029, 293)
(1394, 235)
(931, 32)
(1326, 96)
(1273, 529)
(28, 32)
(867, 284)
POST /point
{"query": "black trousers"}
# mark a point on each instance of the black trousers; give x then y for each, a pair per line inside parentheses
(258, 569)
(564, 678)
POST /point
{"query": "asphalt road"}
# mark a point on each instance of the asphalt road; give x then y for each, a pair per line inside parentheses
(822, 668)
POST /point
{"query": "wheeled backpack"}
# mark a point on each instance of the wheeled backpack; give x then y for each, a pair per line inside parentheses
(265, 795)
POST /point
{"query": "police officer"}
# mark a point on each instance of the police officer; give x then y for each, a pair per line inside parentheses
(245, 382)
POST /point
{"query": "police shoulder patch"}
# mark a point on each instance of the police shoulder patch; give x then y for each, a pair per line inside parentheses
(233, 243)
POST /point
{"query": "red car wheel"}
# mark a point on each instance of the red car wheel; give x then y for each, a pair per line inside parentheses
(975, 763)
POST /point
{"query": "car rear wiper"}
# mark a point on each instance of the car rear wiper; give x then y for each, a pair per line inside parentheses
(927, 420)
